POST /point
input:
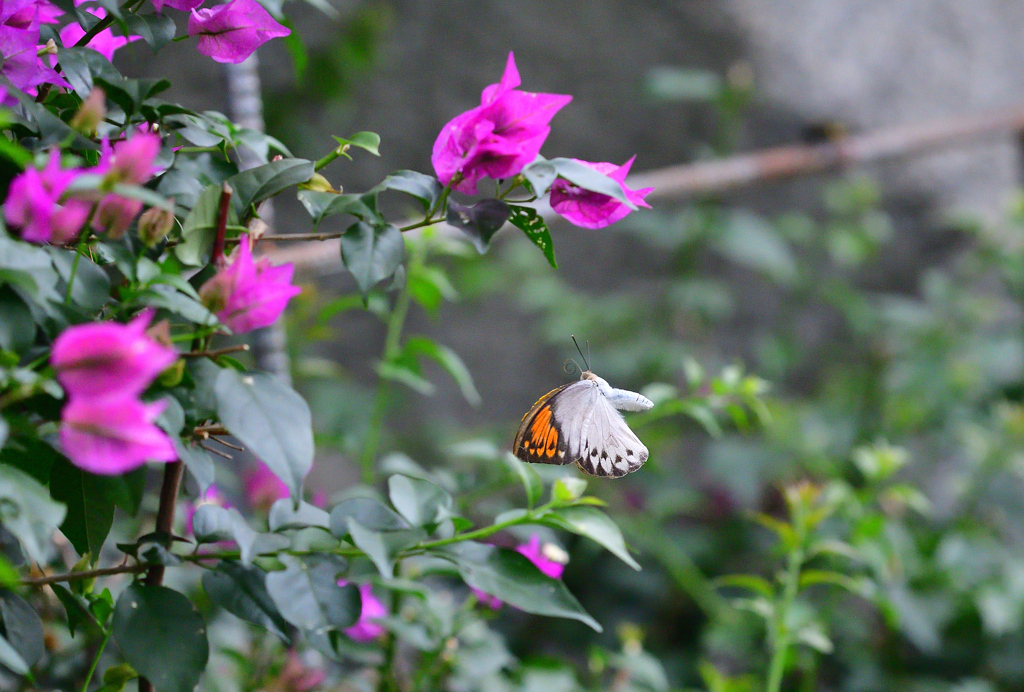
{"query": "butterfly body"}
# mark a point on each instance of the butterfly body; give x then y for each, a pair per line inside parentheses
(580, 423)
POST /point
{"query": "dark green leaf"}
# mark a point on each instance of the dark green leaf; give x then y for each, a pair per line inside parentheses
(260, 183)
(367, 513)
(320, 205)
(21, 626)
(52, 130)
(156, 29)
(372, 252)
(242, 591)
(199, 227)
(532, 483)
(212, 523)
(169, 298)
(10, 657)
(198, 461)
(78, 614)
(595, 525)
(540, 174)
(449, 360)
(144, 195)
(425, 188)
(308, 596)
(30, 515)
(510, 576)
(162, 636)
(284, 515)
(90, 502)
(383, 547)
(370, 141)
(91, 289)
(533, 225)
(421, 502)
(400, 372)
(480, 221)
(17, 328)
(268, 417)
(34, 261)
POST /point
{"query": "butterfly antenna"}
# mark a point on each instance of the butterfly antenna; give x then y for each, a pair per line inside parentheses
(585, 359)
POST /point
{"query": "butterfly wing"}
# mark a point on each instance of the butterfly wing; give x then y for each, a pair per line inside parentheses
(602, 444)
(540, 439)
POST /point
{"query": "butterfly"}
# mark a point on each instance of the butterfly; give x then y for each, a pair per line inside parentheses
(580, 422)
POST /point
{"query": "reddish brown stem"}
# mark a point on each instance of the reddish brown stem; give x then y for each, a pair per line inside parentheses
(222, 224)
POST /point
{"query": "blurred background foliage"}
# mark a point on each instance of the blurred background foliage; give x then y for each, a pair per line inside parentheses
(822, 401)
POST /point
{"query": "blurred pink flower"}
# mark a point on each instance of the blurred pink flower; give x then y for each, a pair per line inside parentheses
(34, 204)
(107, 358)
(263, 488)
(104, 43)
(497, 138)
(492, 602)
(249, 294)
(115, 214)
(112, 435)
(130, 161)
(535, 552)
(233, 31)
(299, 677)
(21, 64)
(364, 630)
(592, 209)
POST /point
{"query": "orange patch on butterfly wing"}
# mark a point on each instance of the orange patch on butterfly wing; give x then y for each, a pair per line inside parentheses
(529, 445)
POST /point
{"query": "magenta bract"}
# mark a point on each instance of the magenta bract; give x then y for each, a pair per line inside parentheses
(104, 43)
(112, 435)
(248, 294)
(115, 214)
(20, 62)
(263, 488)
(233, 31)
(364, 630)
(183, 5)
(130, 161)
(34, 205)
(535, 553)
(102, 359)
(498, 138)
(592, 209)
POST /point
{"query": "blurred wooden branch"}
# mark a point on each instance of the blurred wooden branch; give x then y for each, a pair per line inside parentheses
(724, 175)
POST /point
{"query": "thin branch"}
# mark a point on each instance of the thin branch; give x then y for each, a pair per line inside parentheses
(212, 429)
(221, 441)
(219, 453)
(215, 352)
(78, 576)
(217, 254)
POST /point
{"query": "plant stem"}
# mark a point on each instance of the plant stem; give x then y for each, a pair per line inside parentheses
(217, 254)
(392, 350)
(215, 352)
(95, 661)
(79, 251)
(781, 636)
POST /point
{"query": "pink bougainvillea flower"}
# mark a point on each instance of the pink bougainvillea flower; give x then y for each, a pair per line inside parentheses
(48, 12)
(297, 676)
(104, 43)
(550, 559)
(21, 63)
(100, 359)
(592, 209)
(182, 5)
(248, 294)
(130, 161)
(365, 630)
(22, 14)
(112, 435)
(115, 214)
(233, 31)
(263, 488)
(34, 204)
(497, 138)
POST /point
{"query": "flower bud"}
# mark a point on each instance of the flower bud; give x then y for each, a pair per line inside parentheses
(172, 376)
(155, 224)
(319, 183)
(91, 113)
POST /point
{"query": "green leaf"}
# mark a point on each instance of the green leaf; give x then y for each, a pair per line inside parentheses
(284, 515)
(449, 360)
(10, 657)
(308, 596)
(268, 417)
(35, 261)
(372, 252)
(320, 205)
(421, 502)
(170, 299)
(199, 227)
(78, 614)
(90, 505)
(91, 289)
(399, 372)
(242, 591)
(532, 483)
(567, 490)
(28, 512)
(425, 188)
(370, 141)
(17, 328)
(198, 461)
(507, 575)
(144, 195)
(751, 582)
(21, 626)
(595, 525)
(480, 221)
(212, 523)
(156, 29)
(589, 179)
(161, 634)
(540, 174)
(859, 586)
(116, 677)
(533, 225)
(368, 513)
(263, 182)
(383, 547)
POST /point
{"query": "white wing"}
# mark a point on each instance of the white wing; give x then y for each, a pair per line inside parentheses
(597, 436)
